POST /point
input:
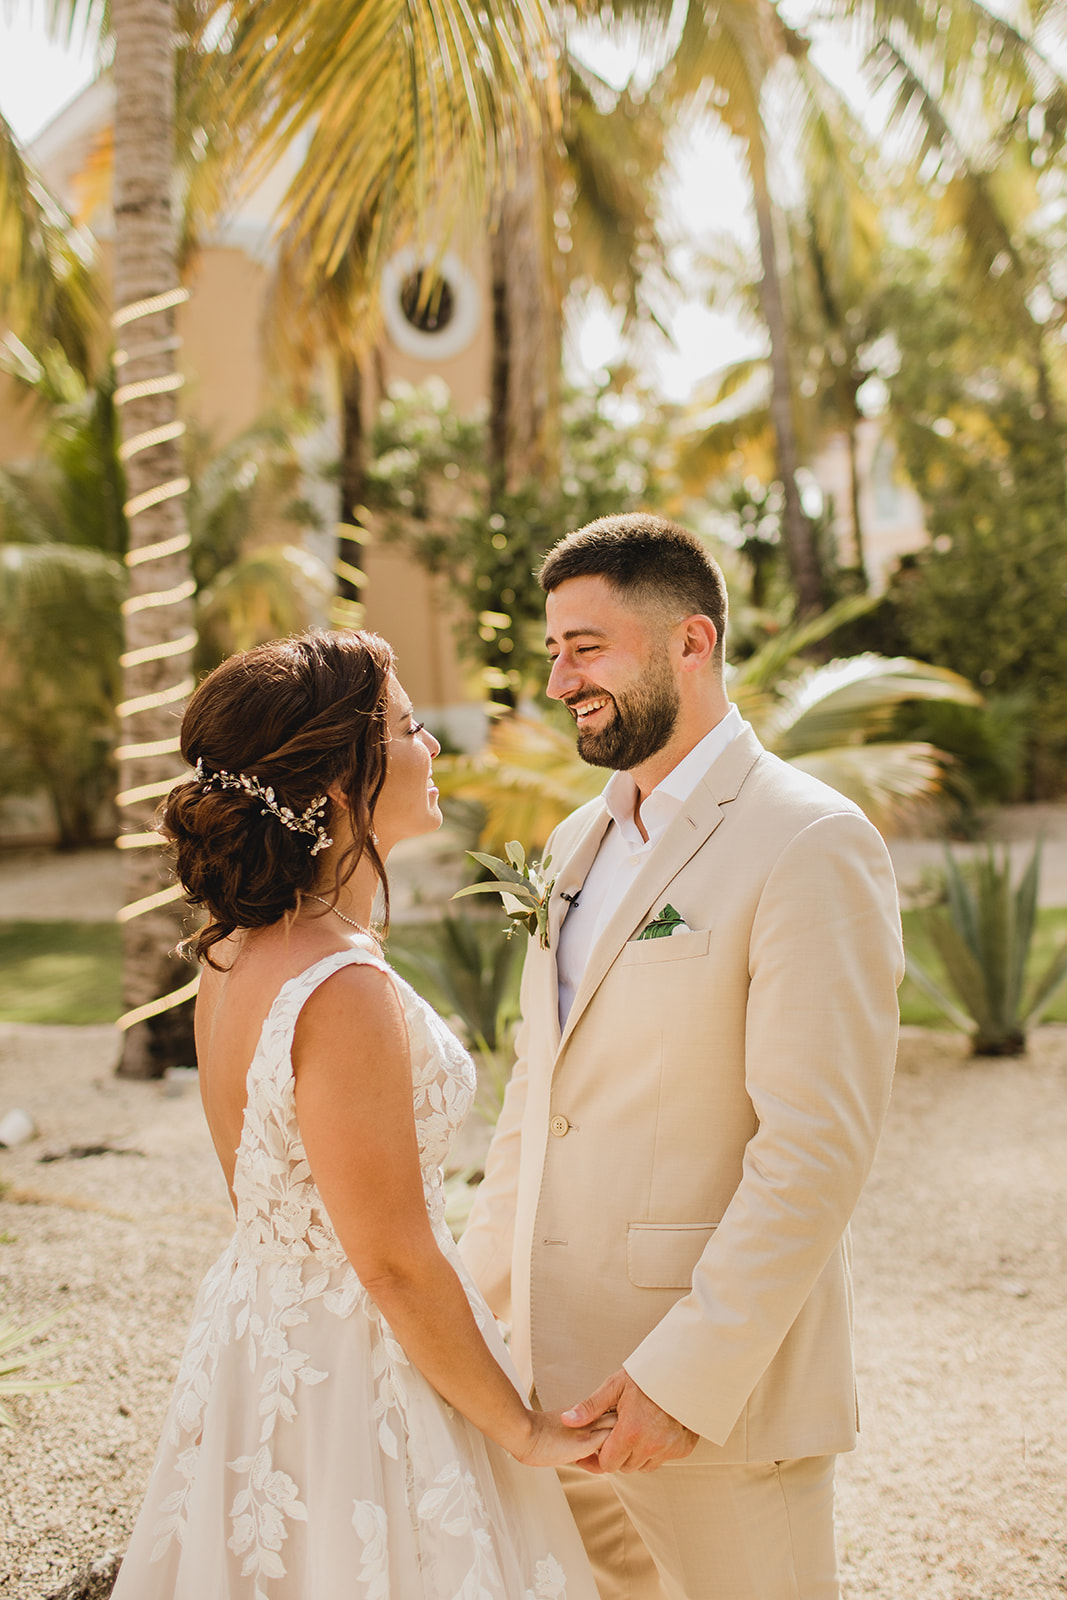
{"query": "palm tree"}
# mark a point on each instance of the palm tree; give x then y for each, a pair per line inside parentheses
(581, 209)
(464, 104)
(158, 615)
(943, 64)
(559, 169)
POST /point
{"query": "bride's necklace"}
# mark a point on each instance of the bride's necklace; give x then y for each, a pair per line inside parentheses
(369, 932)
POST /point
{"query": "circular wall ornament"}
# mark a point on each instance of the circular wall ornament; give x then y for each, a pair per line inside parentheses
(440, 325)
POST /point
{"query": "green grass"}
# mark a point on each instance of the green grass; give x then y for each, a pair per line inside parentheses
(60, 972)
(915, 1008)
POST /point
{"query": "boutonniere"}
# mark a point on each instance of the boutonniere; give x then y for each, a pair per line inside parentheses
(523, 886)
(664, 924)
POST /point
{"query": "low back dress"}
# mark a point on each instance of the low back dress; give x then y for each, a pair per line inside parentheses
(303, 1456)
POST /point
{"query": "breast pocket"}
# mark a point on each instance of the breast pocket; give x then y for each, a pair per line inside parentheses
(662, 1255)
(676, 947)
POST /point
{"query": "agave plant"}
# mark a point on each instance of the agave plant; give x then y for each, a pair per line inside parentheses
(983, 935)
(13, 1339)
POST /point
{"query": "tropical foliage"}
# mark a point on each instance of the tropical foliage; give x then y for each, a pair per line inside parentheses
(63, 537)
(62, 584)
(49, 275)
(428, 487)
(983, 933)
(987, 454)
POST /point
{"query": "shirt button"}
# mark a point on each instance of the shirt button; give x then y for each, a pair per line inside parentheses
(559, 1126)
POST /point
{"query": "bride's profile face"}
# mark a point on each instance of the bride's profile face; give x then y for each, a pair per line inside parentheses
(408, 803)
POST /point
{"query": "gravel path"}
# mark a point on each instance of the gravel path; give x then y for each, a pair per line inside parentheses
(957, 1490)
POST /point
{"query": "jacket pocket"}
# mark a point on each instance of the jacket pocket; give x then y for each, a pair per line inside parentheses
(662, 1255)
(674, 948)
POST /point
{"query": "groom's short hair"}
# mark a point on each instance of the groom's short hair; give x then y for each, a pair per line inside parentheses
(648, 559)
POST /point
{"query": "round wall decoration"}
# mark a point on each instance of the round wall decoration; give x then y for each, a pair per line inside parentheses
(432, 310)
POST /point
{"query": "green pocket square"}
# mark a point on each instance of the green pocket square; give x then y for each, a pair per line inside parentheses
(665, 923)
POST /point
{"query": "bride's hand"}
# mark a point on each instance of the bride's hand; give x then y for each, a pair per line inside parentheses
(553, 1444)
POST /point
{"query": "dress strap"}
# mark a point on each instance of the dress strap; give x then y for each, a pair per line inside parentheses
(275, 1045)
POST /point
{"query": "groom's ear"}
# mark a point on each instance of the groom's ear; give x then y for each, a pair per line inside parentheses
(698, 637)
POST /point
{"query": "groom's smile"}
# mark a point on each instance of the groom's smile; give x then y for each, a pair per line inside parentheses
(592, 630)
(581, 708)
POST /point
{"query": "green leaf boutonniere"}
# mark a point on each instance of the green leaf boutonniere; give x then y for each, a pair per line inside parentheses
(523, 886)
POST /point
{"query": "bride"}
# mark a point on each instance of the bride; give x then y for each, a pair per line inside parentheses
(345, 1421)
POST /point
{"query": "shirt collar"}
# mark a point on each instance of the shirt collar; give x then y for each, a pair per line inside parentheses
(667, 798)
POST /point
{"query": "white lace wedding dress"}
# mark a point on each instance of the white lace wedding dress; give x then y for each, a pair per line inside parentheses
(303, 1456)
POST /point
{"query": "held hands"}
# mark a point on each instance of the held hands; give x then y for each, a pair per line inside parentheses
(553, 1443)
(643, 1438)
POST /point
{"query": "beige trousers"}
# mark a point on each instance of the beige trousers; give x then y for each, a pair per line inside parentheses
(758, 1531)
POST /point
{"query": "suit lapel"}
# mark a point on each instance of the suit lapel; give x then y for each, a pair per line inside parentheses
(691, 828)
(570, 874)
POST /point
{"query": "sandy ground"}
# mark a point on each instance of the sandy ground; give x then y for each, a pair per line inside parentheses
(957, 1490)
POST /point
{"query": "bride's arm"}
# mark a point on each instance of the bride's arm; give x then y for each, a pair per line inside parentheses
(354, 1106)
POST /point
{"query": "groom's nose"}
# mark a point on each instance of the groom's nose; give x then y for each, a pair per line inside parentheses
(563, 679)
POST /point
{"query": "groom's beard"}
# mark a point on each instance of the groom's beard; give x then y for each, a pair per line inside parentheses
(644, 719)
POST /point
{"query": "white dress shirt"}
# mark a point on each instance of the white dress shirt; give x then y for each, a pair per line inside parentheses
(623, 852)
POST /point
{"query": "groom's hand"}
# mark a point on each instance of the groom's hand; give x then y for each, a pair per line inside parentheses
(643, 1438)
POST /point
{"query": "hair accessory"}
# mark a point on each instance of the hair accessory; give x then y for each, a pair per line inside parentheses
(309, 821)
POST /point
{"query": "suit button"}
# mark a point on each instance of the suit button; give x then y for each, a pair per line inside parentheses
(559, 1126)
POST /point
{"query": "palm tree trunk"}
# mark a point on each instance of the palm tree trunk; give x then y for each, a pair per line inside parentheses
(353, 451)
(526, 354)
(799, 536)
(157, 663)
(527, 338)
(851, 426)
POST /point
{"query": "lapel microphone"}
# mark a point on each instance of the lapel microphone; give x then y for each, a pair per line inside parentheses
(571, 899)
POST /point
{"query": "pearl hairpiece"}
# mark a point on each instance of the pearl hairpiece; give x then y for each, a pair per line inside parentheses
(309, 821)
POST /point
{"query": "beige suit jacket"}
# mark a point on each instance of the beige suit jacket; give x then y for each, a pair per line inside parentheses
(670, 1184)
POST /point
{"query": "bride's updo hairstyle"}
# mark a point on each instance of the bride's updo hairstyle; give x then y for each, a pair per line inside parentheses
(268, 732)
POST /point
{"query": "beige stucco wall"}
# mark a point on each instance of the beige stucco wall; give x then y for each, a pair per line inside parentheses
(222, 353)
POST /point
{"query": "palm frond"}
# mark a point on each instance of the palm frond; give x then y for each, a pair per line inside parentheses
(267, 592)
(854, 698)
(886, 781)
(57, 596)
(49, 276)
(405, 109)
(711, 452)
(765, 667)
(14, 1339)
(614, 158)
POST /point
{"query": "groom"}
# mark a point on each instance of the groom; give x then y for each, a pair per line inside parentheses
(703, 1070)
